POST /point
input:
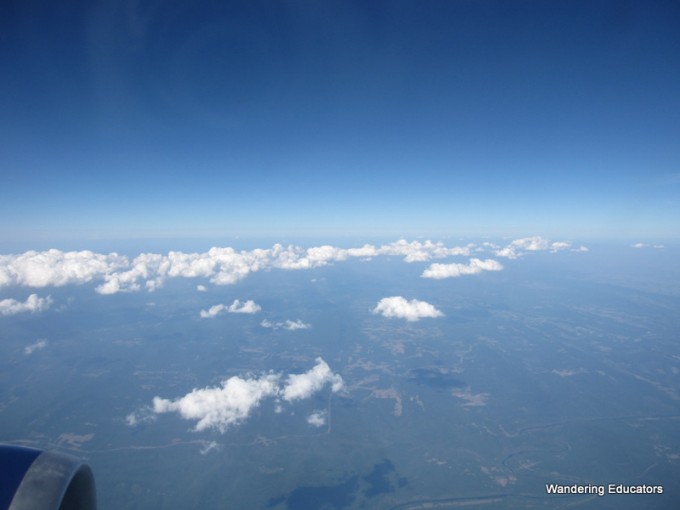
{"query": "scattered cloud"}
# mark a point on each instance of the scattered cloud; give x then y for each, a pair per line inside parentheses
(297, 324)
(397, 306)
(30, 349)
(236, 307)
(213, 311)
(317, 418)
(32, 304)
(530, 244)
(475, 266)
(287, 324)
(644, 245)
(535, 243)
(302, 386)
(422, 252)
(201, 288)
(141, 416)
(209, 446)
(247, 307)
(115, 273)
(221, 407)
(232, 403)
(559, 246)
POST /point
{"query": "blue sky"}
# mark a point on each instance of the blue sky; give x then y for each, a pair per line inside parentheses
(127, 119)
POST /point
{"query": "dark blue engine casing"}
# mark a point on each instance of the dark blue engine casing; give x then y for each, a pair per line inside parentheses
(42, 480)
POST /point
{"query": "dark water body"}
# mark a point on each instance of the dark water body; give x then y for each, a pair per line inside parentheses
(324, 496)
(382, 479)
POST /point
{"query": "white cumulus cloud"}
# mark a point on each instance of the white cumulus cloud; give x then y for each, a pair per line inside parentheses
(32, 304)
(296, 324)
(301, 386)
(399, 307)
(317, 418)
(416, 251)
(247, 307)
(213, 311)
(231, 403)
(236, 307)
(454, 270)
(224, 406)
(535, 243)
(57, 268)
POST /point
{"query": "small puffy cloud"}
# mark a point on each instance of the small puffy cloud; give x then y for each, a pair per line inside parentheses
(301, 386)
(30, 349)
(581, 249)
(213, 311)
(397, 306)
(506, 252)
(317, 418)
(247, 307)
(297, 324)
(639, 245)
(201, 288)
(232, 403)
(535, 243)
(475, 266)
(236, 307)
(288, 325)
(559, 245)
(32, 304)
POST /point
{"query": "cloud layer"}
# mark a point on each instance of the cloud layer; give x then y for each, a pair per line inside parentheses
(399, 307)
(221, 266)
(233, 402)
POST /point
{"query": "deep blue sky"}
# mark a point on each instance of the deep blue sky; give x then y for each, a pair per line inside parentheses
(164, 118)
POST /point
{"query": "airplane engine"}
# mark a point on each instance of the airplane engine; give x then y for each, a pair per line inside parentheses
(32, 479)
